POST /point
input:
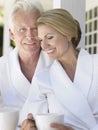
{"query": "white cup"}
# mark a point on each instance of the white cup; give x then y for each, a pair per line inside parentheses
(8, 118)
(43, 121)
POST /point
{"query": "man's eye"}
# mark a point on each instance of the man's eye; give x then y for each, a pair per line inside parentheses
(22, 30)
(35, 29)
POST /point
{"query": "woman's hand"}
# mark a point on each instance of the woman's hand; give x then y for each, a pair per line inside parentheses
(61, 127)
(29, 123)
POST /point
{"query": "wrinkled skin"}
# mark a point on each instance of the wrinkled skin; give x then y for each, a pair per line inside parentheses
(29, 124)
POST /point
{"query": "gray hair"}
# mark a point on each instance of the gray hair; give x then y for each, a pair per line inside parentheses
(25, 5)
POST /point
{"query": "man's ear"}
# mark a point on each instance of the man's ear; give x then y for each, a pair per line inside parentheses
(11, 34)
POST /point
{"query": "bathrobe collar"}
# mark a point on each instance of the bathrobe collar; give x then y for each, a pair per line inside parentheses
(69, 93)
(20, 82)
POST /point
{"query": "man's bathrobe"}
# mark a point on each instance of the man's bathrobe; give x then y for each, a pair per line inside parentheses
(14, 87)
(77, 100)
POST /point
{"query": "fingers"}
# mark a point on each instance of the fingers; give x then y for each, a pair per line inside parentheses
(30, 116)
(61, 127)
(28, 125)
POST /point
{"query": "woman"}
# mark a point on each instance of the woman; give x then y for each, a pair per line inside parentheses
(70, 84)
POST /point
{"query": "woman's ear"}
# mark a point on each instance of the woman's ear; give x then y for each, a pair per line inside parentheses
(11, 34)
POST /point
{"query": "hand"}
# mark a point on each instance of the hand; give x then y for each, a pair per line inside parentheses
(29, 123)
(61, 127)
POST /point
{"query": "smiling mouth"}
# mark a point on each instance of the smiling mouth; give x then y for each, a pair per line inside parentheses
(29, 43)
(50, 51)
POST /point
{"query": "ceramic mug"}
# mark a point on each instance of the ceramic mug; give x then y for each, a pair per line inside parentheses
(43, 121)
(8, 118)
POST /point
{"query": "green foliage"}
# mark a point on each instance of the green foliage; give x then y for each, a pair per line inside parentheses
(1, 16)
(12, 43)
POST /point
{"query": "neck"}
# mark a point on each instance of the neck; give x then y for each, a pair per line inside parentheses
(28, 65)
(69, 64)
(27, 59)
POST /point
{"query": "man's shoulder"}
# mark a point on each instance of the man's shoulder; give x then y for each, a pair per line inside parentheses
(7, 56)
(5, 59)
(3, 63)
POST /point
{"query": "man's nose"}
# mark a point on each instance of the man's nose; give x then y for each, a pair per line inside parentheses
(31, 33)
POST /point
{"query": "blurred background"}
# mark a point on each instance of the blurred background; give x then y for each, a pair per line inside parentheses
(86, 11)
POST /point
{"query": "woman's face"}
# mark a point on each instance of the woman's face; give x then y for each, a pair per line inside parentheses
(52, 42)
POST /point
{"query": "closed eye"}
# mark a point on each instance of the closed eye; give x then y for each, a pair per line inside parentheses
(49, 37)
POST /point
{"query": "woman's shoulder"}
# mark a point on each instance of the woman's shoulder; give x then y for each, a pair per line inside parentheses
(95, 59)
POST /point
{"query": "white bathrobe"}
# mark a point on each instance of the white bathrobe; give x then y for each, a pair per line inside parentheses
(14, 87)
(77, 100)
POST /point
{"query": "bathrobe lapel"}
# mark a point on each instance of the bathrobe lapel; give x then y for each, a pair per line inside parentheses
(69, 94)
(84, 72)
(20, 82)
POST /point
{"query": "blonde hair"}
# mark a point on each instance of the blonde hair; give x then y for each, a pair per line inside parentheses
(62, 21)
(24, 5)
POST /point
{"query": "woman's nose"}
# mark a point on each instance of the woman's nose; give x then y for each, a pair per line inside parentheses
(44, 45)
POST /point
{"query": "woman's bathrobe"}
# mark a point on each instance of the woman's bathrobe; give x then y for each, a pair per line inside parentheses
(77, 100)
(14, 86)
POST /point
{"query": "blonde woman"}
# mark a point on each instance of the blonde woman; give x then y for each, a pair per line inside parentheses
(70, 85)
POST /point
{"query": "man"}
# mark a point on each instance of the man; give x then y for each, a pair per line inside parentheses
(19, 67)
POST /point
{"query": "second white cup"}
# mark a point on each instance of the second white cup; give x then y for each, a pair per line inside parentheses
(43, 121)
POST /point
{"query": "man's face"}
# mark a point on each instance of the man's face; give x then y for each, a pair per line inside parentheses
(24, 32)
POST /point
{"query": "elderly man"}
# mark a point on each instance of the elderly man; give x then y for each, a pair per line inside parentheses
(19, 67)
